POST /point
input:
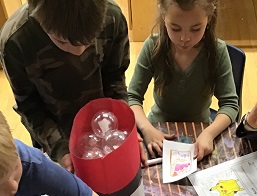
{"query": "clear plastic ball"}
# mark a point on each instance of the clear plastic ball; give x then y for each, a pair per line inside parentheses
(92, 153)
(103, 122)
(90, 139)
(126, 133)
(113, 141)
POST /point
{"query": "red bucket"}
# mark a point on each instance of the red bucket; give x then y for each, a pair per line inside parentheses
(117, 173)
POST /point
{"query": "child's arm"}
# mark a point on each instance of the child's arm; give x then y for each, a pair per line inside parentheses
(116, 60)
(153, 137)
(30, 105)
(225, 92)
(43, 176)
(65, 183)
(204, 142)
(142, 76)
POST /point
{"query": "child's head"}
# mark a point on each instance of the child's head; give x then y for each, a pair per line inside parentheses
(187, 22)
(185, 25)
(10, 164)
(75, 21)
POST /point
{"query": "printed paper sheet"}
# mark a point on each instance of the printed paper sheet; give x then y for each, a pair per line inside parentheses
(236, 177)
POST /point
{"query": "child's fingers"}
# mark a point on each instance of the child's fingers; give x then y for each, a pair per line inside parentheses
(142, 155)
(150, 150)
(196, 150)
(139, 138)
(157, 148)
(67, 163)
(169, 137)
(200, 154)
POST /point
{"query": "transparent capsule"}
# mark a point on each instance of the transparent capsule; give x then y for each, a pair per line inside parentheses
(103, 122)
(113, 140)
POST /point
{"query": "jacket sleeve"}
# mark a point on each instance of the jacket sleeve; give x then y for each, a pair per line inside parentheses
(116, 59)
(30, 105)
(225, 90)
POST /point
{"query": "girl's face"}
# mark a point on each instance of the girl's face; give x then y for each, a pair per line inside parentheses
(185, 28)
(10, 183)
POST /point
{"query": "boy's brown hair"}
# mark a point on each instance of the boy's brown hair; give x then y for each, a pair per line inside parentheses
(8, 151)
(78, 21)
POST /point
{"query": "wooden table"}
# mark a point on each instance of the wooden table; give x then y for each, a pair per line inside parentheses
(227, 147)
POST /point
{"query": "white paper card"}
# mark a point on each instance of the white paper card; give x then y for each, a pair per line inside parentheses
(235, 177)
(178, 161)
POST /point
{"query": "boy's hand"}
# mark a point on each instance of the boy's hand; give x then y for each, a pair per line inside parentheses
(67, 163)
(142, 152)
(94, 194)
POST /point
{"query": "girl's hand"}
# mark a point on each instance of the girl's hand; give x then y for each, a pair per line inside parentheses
(154, 139)
(203, 145)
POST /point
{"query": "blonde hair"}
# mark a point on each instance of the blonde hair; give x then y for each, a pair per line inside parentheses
(8, 151)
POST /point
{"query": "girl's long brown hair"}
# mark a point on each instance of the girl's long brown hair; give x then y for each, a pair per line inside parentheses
(163, 44)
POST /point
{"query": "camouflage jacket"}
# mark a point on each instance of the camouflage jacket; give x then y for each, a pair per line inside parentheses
(51, 85)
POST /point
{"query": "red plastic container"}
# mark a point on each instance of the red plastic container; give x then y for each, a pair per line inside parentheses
(117, 171)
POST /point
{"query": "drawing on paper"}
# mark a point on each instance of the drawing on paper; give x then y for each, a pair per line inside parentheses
(227, 187)
(180, 162)
(235, 177)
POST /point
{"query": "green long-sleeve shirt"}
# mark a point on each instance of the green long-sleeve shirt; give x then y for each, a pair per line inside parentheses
(183, 98)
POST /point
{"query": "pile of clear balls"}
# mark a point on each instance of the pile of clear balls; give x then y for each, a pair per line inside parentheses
(104, 137)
